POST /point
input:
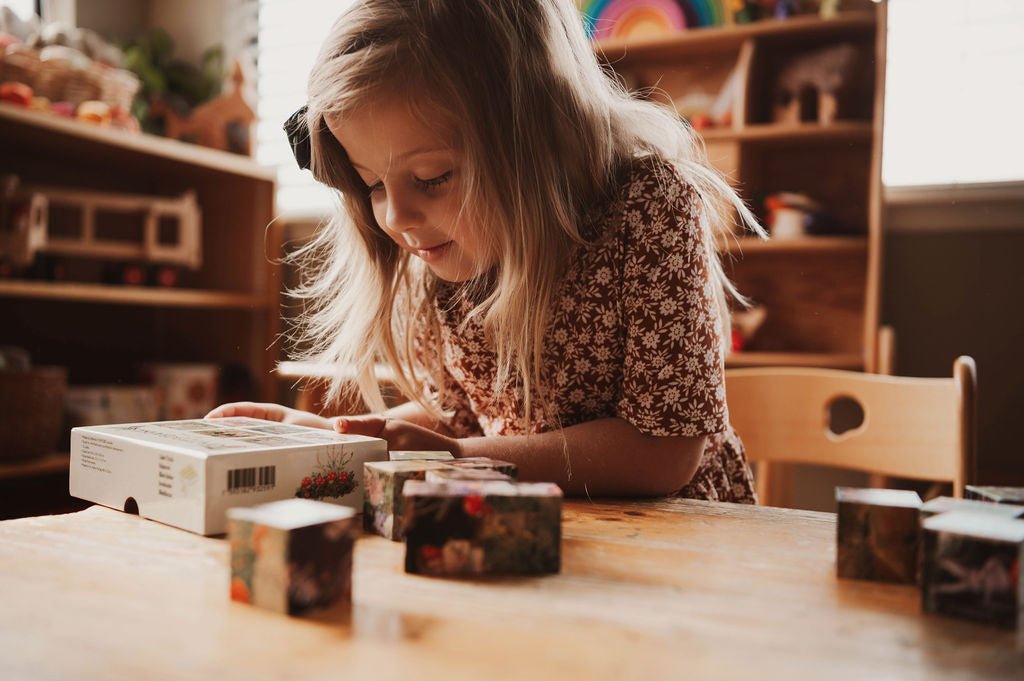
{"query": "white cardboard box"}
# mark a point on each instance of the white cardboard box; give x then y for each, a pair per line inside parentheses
(189, 473)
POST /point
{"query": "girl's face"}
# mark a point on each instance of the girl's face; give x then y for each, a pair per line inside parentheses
(412, 176)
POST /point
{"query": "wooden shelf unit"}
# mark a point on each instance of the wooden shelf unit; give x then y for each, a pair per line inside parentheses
(225, 312)
(821, 292)
(44, 465)
(128, 295)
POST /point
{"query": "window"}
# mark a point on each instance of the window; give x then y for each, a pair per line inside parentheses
(953, 105)
(290, 35)
(23, 8)
(954, 96)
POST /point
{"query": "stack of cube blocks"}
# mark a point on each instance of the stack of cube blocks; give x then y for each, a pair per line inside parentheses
(471, 519)
(383, 508)
(965, 554)
(464, 517)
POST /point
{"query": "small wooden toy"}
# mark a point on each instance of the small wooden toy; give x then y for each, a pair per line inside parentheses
(472, 529)
(292, 556)
(997, 495)
(482, 462)
(820, 86)
(18, 94)
(222, 123)
(95, 112)
(971, 567)
(452, 473)
(948, 504)
(828, 9)
(420, 455)
(63, 109)
(384, 505)
(745, 324)
(35, 220)
(877, 534)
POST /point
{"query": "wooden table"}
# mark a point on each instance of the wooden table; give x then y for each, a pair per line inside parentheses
(648, 590)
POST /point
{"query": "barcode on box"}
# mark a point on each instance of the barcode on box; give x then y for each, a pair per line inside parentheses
(244, 479)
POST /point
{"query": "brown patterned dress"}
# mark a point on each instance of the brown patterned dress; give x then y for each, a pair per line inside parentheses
(634, 335)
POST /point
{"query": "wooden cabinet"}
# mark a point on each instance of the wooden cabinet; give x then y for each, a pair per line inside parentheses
(224, 312)
(821, 293)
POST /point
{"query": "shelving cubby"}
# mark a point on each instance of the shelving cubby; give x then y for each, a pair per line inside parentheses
(821, 293)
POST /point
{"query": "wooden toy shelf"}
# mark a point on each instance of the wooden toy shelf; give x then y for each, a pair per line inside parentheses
(821, 292)
(45, 465)
(697, 43)
(226, 311)
(127, 295)
(767, 133)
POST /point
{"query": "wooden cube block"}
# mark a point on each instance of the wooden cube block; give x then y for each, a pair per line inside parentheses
(948, 504)
(384, 480)
(292, 556)
(877, 534)
(484, 463)
(420, 455)
(471, 529)
(972, 567)
(998, 495)
(449, 473)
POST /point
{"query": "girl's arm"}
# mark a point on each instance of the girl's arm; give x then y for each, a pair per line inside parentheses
(415, 414)
(410, 412)
(606, 457)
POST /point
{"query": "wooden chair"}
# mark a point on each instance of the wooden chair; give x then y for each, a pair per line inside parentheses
(919, 428)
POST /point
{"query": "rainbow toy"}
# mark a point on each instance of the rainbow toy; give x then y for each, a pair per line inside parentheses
(637, 18)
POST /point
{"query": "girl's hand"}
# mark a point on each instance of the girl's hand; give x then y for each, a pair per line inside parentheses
(270, 412)
(401, 435)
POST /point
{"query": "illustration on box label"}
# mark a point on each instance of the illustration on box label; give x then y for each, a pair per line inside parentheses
(331, 480)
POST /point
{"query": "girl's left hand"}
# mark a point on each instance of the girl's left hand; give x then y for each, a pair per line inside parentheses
(401, 435)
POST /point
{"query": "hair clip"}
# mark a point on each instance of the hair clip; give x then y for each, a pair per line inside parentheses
(298, 137)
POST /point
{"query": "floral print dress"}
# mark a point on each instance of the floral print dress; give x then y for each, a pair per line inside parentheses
(634, 334)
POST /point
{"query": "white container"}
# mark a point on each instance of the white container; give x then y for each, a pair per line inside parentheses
(189, 473)
(184, 391)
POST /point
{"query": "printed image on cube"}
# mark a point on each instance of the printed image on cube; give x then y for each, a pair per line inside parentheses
(449, 473)
(971, 568)
(292, 556)
(384, 481)
(420, 455)
(939, 505)
(996, 495)
(470, 529)
(877, 534)
(484, 463)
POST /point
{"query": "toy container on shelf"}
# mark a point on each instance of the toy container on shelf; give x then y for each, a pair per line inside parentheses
(31, 411)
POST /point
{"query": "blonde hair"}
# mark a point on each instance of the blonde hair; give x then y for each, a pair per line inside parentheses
(543, 131)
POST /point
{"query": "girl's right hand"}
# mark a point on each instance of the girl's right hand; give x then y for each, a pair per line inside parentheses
(271, 412)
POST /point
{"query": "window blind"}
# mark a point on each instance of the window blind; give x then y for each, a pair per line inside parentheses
(23, 8)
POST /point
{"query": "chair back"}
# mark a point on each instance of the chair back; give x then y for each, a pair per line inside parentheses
(919, 428)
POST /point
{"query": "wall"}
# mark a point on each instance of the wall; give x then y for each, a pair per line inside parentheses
(951, 285)
(195, 25)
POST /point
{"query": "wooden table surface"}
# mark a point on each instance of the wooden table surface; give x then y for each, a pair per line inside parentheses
(648, 590)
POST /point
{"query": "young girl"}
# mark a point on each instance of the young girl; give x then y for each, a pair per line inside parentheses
(529, 248)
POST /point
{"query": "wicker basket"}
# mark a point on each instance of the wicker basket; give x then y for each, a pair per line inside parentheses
(19, 64)
(50, 74)
(119, 87)
(83, 85)
(31, 411)
(52, 79)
